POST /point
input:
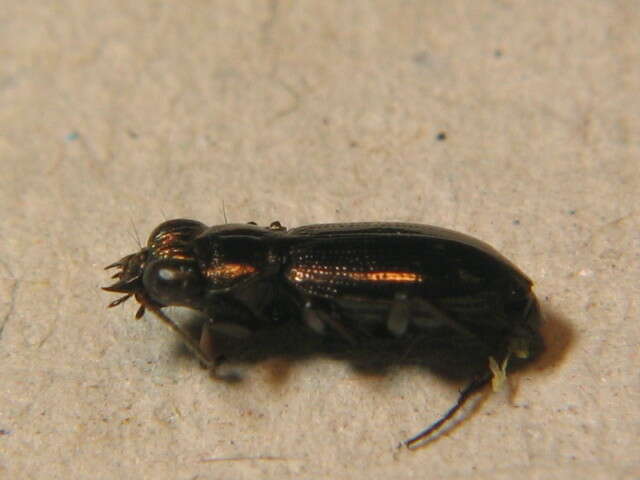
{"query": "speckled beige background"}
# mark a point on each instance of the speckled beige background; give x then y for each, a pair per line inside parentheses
(115, 115)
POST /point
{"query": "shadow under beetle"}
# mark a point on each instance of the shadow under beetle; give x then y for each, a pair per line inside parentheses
(352, 282)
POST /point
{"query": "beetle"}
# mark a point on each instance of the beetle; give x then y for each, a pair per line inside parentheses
(353, 282)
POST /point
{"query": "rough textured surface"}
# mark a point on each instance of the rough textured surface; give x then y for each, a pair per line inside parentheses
(513, 121)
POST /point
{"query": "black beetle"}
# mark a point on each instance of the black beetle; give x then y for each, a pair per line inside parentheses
(350, 281)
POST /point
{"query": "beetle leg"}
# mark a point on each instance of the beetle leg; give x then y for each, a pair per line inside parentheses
(314, 318)
(499, 372)
(436, 317)
(207, 344)
(184, 336)
(334, 322)
(317, 319)
(399, 315)
(232, 318)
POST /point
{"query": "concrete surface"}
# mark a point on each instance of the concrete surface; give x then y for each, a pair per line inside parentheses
(116, 115)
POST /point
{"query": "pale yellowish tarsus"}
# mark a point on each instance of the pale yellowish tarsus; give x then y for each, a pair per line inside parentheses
(518, 347)
(499, 372)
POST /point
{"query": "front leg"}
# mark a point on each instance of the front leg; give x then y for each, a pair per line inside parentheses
(205, 358)
(229, 317)
(226, 316)
(207, 348)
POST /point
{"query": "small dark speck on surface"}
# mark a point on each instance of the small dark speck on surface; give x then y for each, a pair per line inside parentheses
(4, 432)
(572, 212)
(497, 53)
(516, 222)
(132, 134)
(441, 137)
(71, 136)
(421, 58)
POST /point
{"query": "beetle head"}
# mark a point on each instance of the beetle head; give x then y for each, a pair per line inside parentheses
(164, 272)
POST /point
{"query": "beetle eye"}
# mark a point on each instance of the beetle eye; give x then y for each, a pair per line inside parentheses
(173, 282)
